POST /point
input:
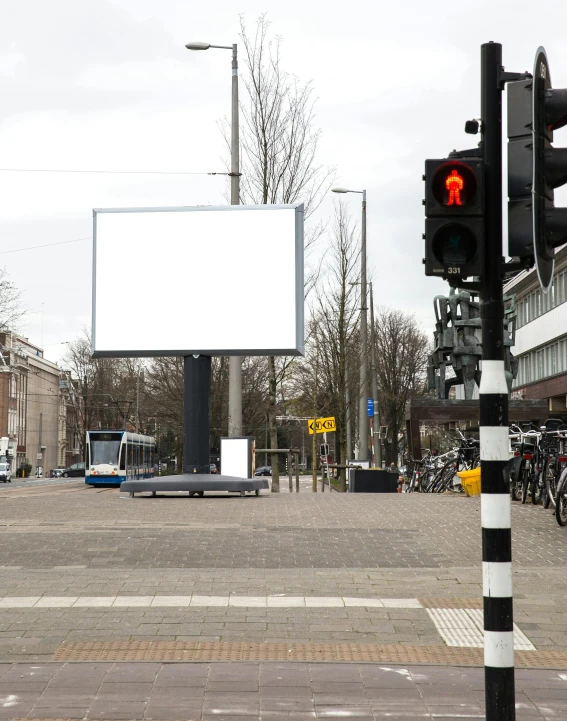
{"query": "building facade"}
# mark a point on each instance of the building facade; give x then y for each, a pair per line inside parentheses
(541, 336)
(70, 408)
(13, 400)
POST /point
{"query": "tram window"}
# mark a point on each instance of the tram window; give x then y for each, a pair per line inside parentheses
(104, 451)
(130, 455)
(87, 456)
(123, 458)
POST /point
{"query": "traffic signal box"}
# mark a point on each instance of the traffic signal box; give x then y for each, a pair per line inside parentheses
(454, 227)
(535, 226)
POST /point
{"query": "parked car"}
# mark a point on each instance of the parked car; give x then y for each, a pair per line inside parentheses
(213, 468)
(77, 469)
(264, 471)
(5, 473)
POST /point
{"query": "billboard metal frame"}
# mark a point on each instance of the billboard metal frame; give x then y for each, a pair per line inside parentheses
(299, 286)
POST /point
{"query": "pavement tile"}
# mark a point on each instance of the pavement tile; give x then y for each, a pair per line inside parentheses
(55, 602)
(16, 705)
(242, 686)
(173, 712)
(286, 692)
(289, 705)
(209, 601)
(218, 715)
(19, 601)
(286, 601)
(334, 711)
(179, 601)
(18, 686)
(133, 673)
(160, 695)
(132, 601)
(111, 710)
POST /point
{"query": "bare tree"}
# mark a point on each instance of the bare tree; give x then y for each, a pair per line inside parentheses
(98, 389)
(163, 398)
(279, 142)
(401, 352)
(334, 322)
(163, 390)
(11, 308)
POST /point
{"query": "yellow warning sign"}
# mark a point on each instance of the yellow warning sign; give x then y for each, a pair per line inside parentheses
(322, 425)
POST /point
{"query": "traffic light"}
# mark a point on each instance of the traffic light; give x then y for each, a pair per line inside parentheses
(454, 227)
(324, 449)
(535, 226)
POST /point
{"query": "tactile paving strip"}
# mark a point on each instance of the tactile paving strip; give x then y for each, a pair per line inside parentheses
(213, 651)
(464, 627)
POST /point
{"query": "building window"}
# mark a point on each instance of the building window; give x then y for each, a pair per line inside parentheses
(542, 363)
(536, 303)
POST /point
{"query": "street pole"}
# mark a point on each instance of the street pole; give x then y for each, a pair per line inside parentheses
(235, 362)
(362, 410)
(138, 402)
(348, 414)
(373, 372)
(494, 454)
(314, 440)
(197, 369)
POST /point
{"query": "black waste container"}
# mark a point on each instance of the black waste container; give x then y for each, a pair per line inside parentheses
(375, 481)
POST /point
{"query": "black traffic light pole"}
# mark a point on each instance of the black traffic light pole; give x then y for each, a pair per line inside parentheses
(494, 444)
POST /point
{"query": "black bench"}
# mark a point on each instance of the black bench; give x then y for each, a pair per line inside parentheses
(195, 484)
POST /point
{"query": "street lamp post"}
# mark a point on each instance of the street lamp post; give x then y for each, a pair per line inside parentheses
(362, 409)
(235, 362)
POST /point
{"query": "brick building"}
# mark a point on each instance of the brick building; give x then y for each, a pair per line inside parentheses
(38, 407)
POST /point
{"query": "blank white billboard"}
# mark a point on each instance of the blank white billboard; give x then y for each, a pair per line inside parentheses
(224, 280)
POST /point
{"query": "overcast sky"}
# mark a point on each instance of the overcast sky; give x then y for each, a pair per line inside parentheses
(108, 85)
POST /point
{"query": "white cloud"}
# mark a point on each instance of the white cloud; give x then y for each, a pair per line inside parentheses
(10, 62)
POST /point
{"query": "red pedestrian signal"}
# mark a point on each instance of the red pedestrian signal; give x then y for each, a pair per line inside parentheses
(454, 211)
(454, 185)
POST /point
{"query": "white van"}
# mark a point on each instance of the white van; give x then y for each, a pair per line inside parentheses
(5, 473)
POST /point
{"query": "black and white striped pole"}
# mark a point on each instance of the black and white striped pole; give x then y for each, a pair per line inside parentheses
(494, 455)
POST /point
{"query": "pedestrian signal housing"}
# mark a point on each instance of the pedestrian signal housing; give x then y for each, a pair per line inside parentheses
(454, 229)
(535, 226)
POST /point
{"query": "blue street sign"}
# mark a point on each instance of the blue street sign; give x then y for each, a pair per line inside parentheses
(370, 407)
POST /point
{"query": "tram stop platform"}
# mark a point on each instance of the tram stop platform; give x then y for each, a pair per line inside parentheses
(195, 484)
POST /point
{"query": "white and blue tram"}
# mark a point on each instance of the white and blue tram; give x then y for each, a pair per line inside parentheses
(112, 457)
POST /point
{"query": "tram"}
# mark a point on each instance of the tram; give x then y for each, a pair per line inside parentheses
(112, 457)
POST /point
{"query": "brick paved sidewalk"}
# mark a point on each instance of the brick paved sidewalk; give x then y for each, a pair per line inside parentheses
(274, 585)
(266, 691)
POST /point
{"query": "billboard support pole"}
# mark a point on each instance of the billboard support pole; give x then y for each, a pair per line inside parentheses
(196, 413)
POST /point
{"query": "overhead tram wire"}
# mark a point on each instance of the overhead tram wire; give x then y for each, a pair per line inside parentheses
(100, 172)
(106, 172)
(47, 245)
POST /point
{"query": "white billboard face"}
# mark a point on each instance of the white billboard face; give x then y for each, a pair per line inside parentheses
(213, 280)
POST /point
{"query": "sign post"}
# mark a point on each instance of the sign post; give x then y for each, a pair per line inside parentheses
(370, 412)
